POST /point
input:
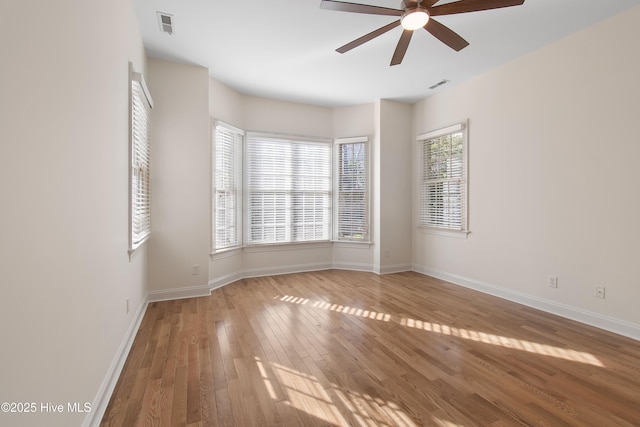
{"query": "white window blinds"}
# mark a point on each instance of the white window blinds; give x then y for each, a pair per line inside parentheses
(288, 190)
(444, 179)
(227, 154)
(352, 201)
(140, 161)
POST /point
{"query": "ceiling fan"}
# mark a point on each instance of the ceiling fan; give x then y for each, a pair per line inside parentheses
(416, 14)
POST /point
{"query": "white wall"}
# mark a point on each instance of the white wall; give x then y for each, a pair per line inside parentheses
(181, 171)
(268, 115)
(225, 104)
(64, 268)
(353, 121)
(554, 178)
(394, 196)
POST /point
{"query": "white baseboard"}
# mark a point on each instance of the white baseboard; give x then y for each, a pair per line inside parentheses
(302, 268)
(224, 280)
(285, 269)
(390, 269)
(395, 268)
(99, 405)
(228, 279)
(178, 293)
(353, 266)
(574, 313)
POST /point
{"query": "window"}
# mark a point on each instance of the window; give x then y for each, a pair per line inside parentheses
(139, 161)
(352, 189)
(444, 179)
(227, 158)
(288, 189)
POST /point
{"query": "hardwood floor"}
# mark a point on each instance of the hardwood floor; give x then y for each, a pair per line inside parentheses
(352, 348)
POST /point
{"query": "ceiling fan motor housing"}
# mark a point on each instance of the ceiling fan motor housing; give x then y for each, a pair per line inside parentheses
(415, 17)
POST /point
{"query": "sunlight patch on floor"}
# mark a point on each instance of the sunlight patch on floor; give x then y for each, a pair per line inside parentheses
(265, 379)
(305, 393)
(445, 423)
(483, 337)
(294, 300)
(370, 314)
(502, 341)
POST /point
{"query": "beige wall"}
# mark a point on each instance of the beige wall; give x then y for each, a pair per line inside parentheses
(225, 104)
(394, 185)
(181, 171)
(553, 185)
(65, 271)
(268, 115)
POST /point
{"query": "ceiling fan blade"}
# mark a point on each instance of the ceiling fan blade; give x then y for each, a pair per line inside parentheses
(358, 8)
(464, 6)
(446, 35)
(401, 48)
(424, 3)
(361, 40)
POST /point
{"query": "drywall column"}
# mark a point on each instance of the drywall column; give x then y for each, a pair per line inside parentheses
(392, 186)
(180, 189)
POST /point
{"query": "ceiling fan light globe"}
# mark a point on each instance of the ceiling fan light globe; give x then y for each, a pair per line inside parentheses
(414, 19)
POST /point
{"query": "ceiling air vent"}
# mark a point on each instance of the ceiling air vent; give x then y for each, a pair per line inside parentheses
(440, 83)
(166, 22)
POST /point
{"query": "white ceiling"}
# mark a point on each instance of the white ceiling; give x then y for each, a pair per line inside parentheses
(285, 49)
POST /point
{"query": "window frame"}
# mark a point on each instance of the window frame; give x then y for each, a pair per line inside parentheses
(290, 224)
(237, 160)
(337, 178)
(139, 160)
(463, 230)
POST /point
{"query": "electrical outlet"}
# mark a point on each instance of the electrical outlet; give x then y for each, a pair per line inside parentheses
(599, 293)
(553, 282)
(126, 303)
(195, 269)
(387, 253)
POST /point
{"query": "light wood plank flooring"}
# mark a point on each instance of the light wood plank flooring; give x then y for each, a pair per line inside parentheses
(352, 348)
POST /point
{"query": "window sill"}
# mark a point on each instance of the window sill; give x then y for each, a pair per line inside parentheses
(225, 253)
(133, 247)
(352, 244)
(459, 234)
(270, 247)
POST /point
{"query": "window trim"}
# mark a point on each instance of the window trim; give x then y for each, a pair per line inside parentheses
(137, 78)
(239, 175)
(249, 135)
(336, 187)
(462, 127)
